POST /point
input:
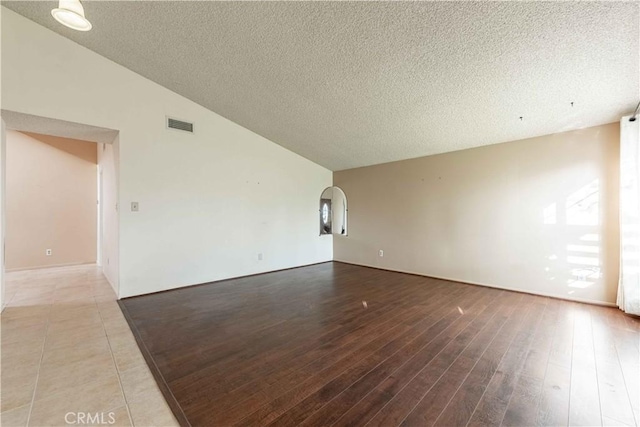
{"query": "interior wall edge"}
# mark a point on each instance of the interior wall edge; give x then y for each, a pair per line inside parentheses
(485, 285)
(214, 281)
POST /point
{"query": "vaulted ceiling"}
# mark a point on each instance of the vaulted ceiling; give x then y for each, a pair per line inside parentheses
(350, 84)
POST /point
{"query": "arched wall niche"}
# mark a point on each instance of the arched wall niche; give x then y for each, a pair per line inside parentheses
(333, 212)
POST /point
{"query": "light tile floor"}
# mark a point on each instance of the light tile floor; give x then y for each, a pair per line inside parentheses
(67, 351)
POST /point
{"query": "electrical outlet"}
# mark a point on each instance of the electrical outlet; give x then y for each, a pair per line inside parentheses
(135, 207)
(48, 252)
(381, 253)
(260, 256)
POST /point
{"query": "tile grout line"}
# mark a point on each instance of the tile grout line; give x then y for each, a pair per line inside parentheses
(48, 324)
(115, 365)
(44, 343)
(142, 348)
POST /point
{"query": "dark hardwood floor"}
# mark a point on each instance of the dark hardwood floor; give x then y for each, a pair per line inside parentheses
(337, 344)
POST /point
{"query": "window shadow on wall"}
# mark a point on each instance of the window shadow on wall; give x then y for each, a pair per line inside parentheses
(579, 263)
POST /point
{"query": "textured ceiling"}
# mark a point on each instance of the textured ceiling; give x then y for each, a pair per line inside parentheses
(350, 84)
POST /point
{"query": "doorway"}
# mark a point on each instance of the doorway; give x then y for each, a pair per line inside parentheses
(51, 201)
(56, 179)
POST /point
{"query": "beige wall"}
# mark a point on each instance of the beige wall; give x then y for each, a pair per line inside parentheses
(538, 215)
(51, 201)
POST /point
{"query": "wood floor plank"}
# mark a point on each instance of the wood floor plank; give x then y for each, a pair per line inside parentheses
(553, 407)
(465, 400)
(429, 328)
(299, 347)
(423, 348)
(611, 380)
(268, 334)
(584, 402)
(257, 392)
(493, 405)
(523, 405)
(401, 403)
(261, 364)
(317, 377)
(314, 374)
(426, 365)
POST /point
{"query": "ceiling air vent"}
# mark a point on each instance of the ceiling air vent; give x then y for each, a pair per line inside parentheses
(179, 125)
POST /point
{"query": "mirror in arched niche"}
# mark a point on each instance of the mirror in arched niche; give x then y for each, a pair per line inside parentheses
(333, 211)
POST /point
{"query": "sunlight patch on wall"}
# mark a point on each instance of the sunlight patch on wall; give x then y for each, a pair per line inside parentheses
(581, 260)
(590, 238)
(583, 248)
(583, 205)
(550, 214)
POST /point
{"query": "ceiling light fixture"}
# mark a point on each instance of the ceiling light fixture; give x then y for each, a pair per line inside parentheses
(70, 13)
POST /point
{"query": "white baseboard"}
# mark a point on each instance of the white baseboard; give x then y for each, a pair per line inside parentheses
(41, 267)
(542, 294)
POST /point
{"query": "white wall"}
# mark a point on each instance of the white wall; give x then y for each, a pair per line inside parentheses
(2, 182)
(3, 157)
(538, 215)
(207, 201)
(108, 252)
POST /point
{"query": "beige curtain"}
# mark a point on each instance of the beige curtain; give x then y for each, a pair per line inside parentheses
(629, 283)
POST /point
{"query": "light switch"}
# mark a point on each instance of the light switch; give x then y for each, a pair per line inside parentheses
(135, 207)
